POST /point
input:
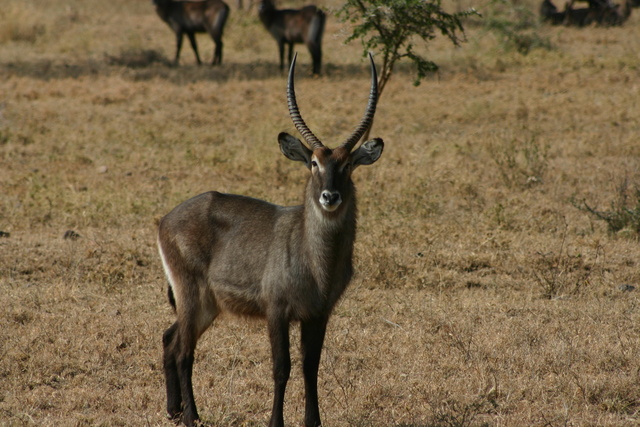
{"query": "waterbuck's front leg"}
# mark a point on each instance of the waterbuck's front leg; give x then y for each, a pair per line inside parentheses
(281, 52)
(179, 35)
(312, 336)
(279, 337)
(290, 57)
(194, 46)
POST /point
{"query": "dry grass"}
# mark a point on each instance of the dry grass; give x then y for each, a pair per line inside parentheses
(483, 295)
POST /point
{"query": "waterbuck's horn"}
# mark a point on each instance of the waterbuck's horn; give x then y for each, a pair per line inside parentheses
(294, 112)
(367, 120)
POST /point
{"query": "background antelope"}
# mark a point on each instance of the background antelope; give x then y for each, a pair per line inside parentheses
(224, 252)
(291, 26)
(600, 12)
(191, 17)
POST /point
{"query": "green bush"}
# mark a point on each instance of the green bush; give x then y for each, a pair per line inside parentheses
(515, 25)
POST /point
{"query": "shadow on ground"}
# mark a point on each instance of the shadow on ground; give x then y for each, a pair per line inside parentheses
(140, 65)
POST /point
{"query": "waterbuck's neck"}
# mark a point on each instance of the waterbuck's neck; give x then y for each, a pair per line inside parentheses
(329, 238)
(266, 12)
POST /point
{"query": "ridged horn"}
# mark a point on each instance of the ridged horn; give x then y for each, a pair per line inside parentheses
(294, 112)
(367, 120)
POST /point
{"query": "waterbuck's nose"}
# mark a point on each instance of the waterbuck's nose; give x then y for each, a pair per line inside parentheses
(330, 200)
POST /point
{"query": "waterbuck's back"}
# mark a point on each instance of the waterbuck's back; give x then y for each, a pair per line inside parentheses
(202, 16)
(295, 26)
(192, 16)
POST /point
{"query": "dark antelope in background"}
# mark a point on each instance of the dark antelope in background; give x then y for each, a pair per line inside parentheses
(600, 12)
(291, 26)
(224, 252)
(195, 16)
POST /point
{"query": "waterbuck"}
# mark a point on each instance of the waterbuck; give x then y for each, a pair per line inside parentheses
(291, 26)
(224, 252)
(601, 12)
(195, 16)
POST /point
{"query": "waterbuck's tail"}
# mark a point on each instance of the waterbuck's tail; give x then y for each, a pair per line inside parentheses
(172, 299)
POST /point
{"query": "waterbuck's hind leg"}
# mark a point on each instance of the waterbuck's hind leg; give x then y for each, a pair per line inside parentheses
(179, 346)
(216, 29)
(179, 342)
(316, 56)
(312, 337)
(281, 358)
(174, 396)
(184, 363)
(215, 61)
(217, 51)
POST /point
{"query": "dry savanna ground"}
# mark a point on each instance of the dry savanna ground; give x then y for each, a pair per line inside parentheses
(485, 293)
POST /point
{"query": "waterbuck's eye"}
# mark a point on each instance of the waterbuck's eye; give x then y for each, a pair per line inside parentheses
(314, 164)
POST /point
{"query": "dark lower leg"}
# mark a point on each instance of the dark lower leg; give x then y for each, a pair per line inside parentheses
(174, 396)
(312, 337)
(316, 57)
(194, 46)
(290, 54)
(281, 53)
(279, 337)
(178, 47)
(217, 52)
(185, 370)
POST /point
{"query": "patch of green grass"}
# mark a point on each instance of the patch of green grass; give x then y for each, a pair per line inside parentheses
(623, 217)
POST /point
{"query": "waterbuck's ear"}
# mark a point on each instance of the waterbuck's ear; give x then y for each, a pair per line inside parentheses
(294, 149)
(367, 153)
